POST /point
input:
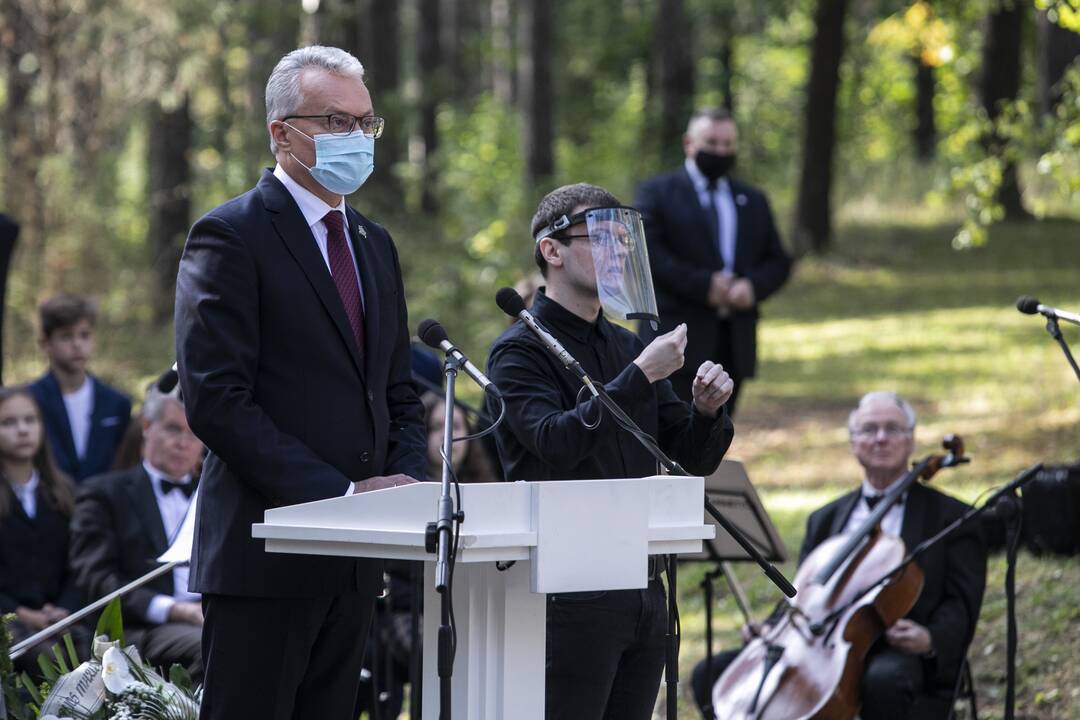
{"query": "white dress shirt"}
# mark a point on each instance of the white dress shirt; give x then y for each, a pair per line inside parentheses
(314, 210)
(893, 521)
(173, 507)
(724, 206)
(27, 494)
(80, 406)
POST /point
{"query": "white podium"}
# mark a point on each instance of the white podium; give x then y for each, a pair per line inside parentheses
(564, 536)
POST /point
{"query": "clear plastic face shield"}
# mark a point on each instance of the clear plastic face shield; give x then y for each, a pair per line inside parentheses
(620, 258)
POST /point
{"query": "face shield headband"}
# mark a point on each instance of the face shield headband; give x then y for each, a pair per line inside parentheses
(620, 258)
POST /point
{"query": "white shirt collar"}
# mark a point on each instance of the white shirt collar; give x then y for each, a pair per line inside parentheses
(701, 183)
(157, 476)
(868, 489)
(312, 207)
(29, 488)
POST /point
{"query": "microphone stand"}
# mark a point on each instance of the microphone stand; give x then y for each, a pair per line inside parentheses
(438, 539)
(1055, 332)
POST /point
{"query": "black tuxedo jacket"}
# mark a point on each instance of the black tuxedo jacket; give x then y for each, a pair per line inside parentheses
(954, 571)
(278, 391)
(116, 536)
(34, 558)
(108, 421)
(684, 257)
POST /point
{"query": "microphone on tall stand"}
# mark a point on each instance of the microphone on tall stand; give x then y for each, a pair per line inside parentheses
(434, 335)
(510, 302)
(1031, 306)
(167, 381)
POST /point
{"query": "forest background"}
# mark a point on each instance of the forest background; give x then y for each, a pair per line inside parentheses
(921, 159)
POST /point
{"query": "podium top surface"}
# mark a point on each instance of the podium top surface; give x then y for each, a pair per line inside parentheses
(502, 520)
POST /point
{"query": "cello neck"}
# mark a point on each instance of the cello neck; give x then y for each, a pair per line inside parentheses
(857, 538)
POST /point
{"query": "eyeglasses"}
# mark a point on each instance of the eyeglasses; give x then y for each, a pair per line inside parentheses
(343, 123)
(891, 430)
(604, 237)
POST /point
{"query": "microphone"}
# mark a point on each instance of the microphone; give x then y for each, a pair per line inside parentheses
(168, 380)
(1030, 306)
(433, 335)
(510, 302)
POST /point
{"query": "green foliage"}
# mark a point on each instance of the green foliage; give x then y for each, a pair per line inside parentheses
(111, 622)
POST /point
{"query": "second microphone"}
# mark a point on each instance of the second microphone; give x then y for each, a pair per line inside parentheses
(432, 334)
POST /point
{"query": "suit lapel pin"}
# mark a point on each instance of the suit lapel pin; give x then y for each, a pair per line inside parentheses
(740, 199)
(361, 231)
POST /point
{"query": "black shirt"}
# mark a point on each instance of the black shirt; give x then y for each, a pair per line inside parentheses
(544, 436)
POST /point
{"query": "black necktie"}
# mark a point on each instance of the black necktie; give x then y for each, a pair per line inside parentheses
(167, 486)
(873, 500)
(713, 218)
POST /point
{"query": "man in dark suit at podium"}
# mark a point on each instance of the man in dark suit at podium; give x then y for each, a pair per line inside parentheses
(605, 649)
(293, 355)
(714, 250)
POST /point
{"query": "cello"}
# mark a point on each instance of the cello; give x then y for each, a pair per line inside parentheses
(809, 662)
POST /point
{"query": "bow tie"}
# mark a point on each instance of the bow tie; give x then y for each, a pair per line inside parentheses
(167, 486)
(873, 500)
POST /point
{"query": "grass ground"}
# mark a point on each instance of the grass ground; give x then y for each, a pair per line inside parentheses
(897, 308)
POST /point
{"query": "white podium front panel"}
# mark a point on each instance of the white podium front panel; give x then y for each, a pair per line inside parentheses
(564, 536)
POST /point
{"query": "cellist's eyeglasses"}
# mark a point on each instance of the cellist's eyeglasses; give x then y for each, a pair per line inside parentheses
(871, 430)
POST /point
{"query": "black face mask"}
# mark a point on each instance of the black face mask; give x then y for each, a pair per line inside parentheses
(714, 166)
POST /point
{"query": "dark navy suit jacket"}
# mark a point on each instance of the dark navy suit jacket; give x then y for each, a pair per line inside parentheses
(683, 257)
(276, 388)
(108, 422)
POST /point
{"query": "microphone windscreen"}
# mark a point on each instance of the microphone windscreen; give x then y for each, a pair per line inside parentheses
(431, 333)
(509, 301)
(1027, 304)
(168, 381)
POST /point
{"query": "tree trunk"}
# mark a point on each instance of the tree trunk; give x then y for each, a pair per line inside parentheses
(925, 124)
(813, 215)
(675, 77)
(537, 91)
(273, 30)
(503, 79)
(169, 198)
(430, 56)
(1058, 49)
(383, 66)
(999, 83)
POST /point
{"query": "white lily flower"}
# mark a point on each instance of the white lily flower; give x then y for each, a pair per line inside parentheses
(115, 671)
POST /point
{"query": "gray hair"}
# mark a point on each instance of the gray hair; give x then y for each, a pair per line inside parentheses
(905, 407)
(154, 403)
(283, 96)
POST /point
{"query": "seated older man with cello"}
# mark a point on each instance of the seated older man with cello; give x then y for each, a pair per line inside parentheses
(850, 643)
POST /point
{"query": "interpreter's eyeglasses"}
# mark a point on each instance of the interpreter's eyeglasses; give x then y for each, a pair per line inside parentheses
(603, 237)
(343, 123)
(871, 430)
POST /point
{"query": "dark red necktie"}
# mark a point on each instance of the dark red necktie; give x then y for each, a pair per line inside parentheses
(344, 274)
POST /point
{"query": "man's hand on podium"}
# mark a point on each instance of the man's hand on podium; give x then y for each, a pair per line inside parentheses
(380, 482)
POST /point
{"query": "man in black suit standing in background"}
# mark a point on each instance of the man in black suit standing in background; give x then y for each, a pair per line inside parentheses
(714, 250)
(293, 356)
(125, 520)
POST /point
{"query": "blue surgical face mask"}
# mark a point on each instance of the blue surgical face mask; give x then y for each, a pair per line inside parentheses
(342, 162)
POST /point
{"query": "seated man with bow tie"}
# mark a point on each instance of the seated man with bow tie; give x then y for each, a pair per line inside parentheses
(124, 521)
(922, 652)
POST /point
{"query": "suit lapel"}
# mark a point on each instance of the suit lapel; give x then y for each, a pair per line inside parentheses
(365, 261)
(54, 399)
(295, 233)
(690, 198)
(741, 223)
(843, 512)
(915, 507)
(142, 497)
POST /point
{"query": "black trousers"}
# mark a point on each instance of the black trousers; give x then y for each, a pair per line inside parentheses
(283, 658)
(605, 653)
(891, 682)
